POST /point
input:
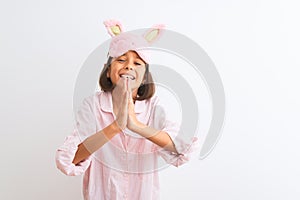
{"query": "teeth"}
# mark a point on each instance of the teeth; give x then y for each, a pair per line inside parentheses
(127, 76)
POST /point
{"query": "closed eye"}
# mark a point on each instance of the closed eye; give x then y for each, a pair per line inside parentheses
(137, 63)
(121, 60)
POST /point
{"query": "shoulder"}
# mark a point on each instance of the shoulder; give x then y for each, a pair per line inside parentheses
(153, 100)
(150, 104)
(93, 98)
(166, 108)
(155, 106)
(156, 101)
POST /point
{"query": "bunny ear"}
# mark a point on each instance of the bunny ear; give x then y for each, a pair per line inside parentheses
(113, 27)
(154, 33)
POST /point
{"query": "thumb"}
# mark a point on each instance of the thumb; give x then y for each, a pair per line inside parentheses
(130, 97)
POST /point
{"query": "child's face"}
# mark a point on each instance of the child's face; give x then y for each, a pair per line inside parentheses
(130, 66)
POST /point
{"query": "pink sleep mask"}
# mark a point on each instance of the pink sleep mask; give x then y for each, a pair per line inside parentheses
(125, 41)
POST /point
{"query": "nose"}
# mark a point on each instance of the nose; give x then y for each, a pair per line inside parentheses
(129, 66)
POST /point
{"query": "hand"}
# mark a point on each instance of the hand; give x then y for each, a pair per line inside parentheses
(132, 121)
(120, 97)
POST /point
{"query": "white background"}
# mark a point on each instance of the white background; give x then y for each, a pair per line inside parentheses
(254, 45)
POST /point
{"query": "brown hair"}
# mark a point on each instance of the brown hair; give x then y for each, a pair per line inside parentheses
(145, 91)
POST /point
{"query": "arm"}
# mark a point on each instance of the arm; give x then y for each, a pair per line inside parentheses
(94, 142)
(161, 138)
(97, 140)
(72, 158)
(158, 137)
(177, 150)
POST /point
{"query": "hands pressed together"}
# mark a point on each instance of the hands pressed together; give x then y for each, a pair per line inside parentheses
(123, 108)
(123, 105)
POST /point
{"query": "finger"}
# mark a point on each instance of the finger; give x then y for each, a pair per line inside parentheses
(120, 87)
(127, 96)
(121, 82)
(127, 82)
(125, 101)
(130, 102)
(130, 96)
(129, 85)
(123, 109)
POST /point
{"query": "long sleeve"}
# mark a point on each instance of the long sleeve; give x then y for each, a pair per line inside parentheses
(65, 155)
(184, 144)
(85, 125)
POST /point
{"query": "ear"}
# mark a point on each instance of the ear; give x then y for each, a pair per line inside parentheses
(154, 33)
(113, 27)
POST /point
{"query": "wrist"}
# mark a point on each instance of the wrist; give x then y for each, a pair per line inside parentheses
(111, 130)
(116, 127)
(137, 127)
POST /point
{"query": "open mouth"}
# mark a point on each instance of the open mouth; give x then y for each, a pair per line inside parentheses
(127, 76)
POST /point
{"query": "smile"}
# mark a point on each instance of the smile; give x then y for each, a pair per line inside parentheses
(127, 76)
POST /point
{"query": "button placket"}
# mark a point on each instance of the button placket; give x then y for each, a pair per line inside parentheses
(126, 180)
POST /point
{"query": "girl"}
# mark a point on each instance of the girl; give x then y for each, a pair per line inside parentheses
(122, 132)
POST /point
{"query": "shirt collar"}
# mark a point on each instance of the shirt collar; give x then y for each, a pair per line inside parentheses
(107, 106)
